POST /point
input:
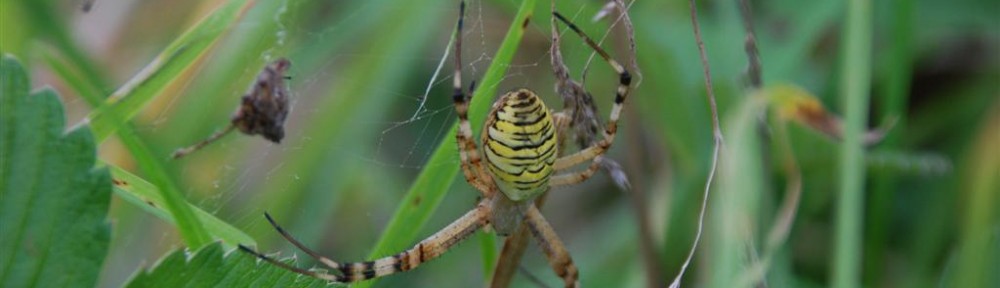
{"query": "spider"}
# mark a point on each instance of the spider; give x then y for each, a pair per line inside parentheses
(520, 147)
(262, 110)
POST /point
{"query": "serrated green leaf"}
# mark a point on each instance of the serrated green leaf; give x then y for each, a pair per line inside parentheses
(53, 201)
(212, 267)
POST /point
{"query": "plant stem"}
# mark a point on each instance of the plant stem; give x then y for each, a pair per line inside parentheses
(717, 136)
(855, 81)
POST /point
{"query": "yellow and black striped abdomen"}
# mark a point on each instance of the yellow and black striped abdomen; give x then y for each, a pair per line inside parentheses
(519, 140)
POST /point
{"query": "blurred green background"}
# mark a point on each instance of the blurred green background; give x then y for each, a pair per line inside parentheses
(362, 128)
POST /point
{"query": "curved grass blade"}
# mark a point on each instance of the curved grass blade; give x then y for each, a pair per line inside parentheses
(145, 195)
(191, 229)
(129, 99)
(440, 171)
(212, 97)
(178, 57)
(74, 76)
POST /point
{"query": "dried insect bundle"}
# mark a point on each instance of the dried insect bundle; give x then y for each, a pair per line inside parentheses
(262, 110)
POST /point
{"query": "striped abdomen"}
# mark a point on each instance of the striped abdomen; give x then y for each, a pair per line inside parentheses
(519, 140)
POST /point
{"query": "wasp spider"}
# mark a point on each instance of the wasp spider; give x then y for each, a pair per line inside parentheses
(520, 147)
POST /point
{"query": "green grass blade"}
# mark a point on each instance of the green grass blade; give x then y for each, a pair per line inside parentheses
(146, 196)
(855, 82)
(178, 57)
(432, 183)
(72, 76)
(129, 99)
(190, 226)
(210, 99)
(488, 246)
(739, 194)
(980, 236)
(894, 100)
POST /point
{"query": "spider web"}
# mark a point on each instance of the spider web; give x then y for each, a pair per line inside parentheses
(400, 139)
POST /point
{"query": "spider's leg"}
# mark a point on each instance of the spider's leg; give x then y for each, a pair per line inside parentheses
(563, 121)
(297, 244)
(472, 165)
(513, 248)
(426, 250)
(571, 178)
(315, 274)
(624, 82)
(553, 248)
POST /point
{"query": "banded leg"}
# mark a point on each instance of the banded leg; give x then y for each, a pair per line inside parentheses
(553, 248)
(624, 82)
(472, 166)
(426, 250)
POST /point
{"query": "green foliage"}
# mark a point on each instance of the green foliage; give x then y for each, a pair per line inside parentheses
(211, 266)
(53, 201)
(360, 67)
(146, 196)
(855, 82)
(134, 95)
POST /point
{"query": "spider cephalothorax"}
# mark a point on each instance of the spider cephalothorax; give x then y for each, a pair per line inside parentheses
(520, 142)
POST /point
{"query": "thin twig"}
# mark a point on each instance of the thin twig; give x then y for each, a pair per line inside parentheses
(717, 133)
(218, 134)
